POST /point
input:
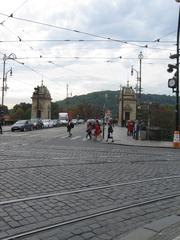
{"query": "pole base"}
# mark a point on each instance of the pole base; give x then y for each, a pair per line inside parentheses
(176, 141)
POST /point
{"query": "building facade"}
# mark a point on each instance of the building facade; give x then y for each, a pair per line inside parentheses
(41, 103)
(127, 105)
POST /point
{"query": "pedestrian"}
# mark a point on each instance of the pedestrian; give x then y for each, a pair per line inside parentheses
(97, 130)
(70, 125)
(1, 127)
(89, 130)
(110, 132)
(136, 130)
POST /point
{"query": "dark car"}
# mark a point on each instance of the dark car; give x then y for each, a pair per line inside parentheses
(37, 123)
(22, 125)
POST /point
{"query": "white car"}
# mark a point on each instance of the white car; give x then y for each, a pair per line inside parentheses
(47, 123)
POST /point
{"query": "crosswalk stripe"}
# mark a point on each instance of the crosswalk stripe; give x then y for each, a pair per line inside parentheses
(74, 138)
(65, 136)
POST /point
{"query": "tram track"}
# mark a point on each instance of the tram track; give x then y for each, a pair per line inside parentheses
(90, 216)
(87, 189)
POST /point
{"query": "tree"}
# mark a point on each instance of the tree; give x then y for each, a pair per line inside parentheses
(21, 111)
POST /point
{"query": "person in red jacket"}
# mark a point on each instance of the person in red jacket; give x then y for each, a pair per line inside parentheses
(97, 129)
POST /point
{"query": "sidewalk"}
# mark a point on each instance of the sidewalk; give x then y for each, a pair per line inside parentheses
(120, 137)
(167, 228)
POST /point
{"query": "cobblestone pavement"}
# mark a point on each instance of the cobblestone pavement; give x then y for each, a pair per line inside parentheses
(56, 187)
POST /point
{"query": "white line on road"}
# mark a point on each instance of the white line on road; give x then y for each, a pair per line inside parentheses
(65, 136)
(74, 138)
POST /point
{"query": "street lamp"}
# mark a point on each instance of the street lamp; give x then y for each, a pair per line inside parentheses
(11, 56)
(140, 56)
(137, 84)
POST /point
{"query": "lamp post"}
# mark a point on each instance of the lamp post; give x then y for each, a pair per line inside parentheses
(140, 56)
(174, 82)
(137, 84)
(11, 56)
(122, 107)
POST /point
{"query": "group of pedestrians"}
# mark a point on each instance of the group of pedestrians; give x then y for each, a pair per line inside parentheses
(94, 131)
(133, 128)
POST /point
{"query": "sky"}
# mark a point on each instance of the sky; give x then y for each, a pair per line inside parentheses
(89, 45)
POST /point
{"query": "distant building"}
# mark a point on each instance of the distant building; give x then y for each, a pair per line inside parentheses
(41, 103)
(127, 105)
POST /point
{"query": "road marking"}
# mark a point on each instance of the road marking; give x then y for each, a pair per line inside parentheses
(177, 238)
(74, 138)
(65, 136)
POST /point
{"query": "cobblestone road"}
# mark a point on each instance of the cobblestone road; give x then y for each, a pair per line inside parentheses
(55, 187)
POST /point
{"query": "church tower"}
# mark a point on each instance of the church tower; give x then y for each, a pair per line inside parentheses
(41, 103)
(127, 105)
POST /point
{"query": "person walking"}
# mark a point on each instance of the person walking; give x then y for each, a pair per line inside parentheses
(89, 130)
(110, 132)
(1, 127)
(97, 130)
(70, 125)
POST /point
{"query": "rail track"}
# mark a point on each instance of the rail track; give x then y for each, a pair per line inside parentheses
(90, 216)
(97, 212)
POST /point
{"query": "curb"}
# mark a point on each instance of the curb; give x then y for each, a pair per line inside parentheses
(133, 145)
(154, 229)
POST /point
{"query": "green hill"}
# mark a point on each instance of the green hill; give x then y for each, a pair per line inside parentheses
(109, 100)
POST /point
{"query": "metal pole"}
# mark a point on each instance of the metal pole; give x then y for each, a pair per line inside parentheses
(140, 62)
(104, 119)
(122, 107)
(140, 71)
(177, 88)
(4, 66)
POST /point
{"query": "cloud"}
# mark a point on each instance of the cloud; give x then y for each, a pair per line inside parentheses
(87, 65)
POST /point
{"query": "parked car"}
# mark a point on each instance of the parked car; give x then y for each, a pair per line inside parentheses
(56, 123)
(37, 123)
(47, 123)
(63, 122)
(22, 125)
(75, 121)
(80, 121)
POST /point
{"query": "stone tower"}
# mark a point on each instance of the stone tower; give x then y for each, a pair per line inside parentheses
(127, 105)
(41, 103)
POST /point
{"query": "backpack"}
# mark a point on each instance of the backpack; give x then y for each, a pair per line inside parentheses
(72, 125)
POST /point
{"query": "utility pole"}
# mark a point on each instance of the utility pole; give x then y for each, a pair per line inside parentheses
(140, 56)
(177, 84)
(12, 56)
(122, 107)
(4, 66)
(174, 82)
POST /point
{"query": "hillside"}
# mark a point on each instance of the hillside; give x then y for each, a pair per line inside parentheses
(110, 100)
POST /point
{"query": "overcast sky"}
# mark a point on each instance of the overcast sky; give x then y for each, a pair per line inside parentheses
(55, 53)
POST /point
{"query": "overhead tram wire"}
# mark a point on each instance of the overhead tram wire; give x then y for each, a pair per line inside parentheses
(18, 37)
(81, 32)
(71, 30)
(83, 40)
(20, 6)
